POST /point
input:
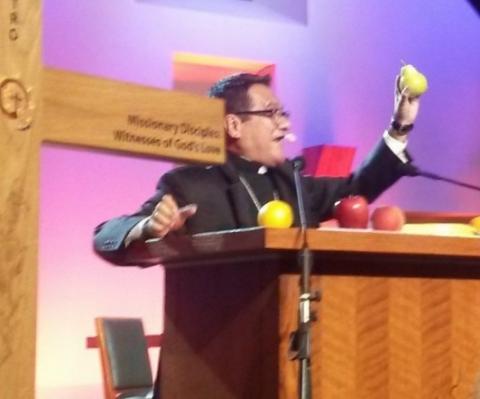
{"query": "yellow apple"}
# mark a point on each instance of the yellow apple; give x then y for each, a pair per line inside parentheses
(475, 223)
(277, 214)
(413, 80)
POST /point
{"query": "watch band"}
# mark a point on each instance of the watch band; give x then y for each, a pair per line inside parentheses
(399, 127)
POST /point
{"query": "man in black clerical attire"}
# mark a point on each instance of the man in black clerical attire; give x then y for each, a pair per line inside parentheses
(194, 199)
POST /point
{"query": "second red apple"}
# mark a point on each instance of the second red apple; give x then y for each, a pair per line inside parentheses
(388, 218)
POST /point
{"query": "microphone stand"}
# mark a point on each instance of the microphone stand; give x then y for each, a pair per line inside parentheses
(300, 340)
(412, 170)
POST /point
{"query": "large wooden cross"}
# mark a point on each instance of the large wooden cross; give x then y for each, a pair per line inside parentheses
(38, 105)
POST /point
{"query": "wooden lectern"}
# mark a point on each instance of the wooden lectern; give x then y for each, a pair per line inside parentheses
(399, 315)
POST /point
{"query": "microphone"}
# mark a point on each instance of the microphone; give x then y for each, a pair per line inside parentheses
(298, 166)
(410, 169)
(298, 163)
(291, 137)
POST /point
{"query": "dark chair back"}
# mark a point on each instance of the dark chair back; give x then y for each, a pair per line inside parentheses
(124, 356)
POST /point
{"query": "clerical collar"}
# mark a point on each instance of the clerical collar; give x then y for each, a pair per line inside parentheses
(247, 166)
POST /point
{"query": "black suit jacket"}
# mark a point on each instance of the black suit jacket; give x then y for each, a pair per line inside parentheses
(224, 203)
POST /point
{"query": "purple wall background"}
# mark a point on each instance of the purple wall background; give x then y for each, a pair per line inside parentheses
(334, 73)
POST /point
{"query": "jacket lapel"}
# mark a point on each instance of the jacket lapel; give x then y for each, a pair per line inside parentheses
(285, 181)
(242, 205)
(285, 184)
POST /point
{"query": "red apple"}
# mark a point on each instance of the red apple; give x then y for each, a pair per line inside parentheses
(388, 218)
(352, 212)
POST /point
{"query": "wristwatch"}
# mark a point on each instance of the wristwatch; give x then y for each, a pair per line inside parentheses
(398, 127)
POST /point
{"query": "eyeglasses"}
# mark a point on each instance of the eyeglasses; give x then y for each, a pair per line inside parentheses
(269, 113)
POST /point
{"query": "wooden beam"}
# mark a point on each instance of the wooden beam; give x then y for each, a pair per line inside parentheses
(153, 341)
(19, 109)
(38, 105)
(99, 113)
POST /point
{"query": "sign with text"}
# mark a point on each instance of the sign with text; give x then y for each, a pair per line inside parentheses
(120, 116)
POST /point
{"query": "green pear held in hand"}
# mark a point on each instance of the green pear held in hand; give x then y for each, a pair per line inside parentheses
(415, 82)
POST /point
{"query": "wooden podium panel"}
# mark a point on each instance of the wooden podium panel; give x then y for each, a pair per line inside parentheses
(399, 316)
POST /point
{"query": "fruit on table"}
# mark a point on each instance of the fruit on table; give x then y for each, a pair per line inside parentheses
(352, 212)
(388, 218)
(275, 214)
(475, 223)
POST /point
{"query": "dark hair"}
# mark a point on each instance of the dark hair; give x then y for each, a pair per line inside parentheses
(233, 89)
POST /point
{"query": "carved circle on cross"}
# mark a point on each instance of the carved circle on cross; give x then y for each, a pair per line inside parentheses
(15, 102)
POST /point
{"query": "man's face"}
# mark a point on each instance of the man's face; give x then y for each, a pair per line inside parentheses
(261, 135)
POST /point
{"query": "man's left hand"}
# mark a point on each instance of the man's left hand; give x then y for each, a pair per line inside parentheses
(405, 106)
